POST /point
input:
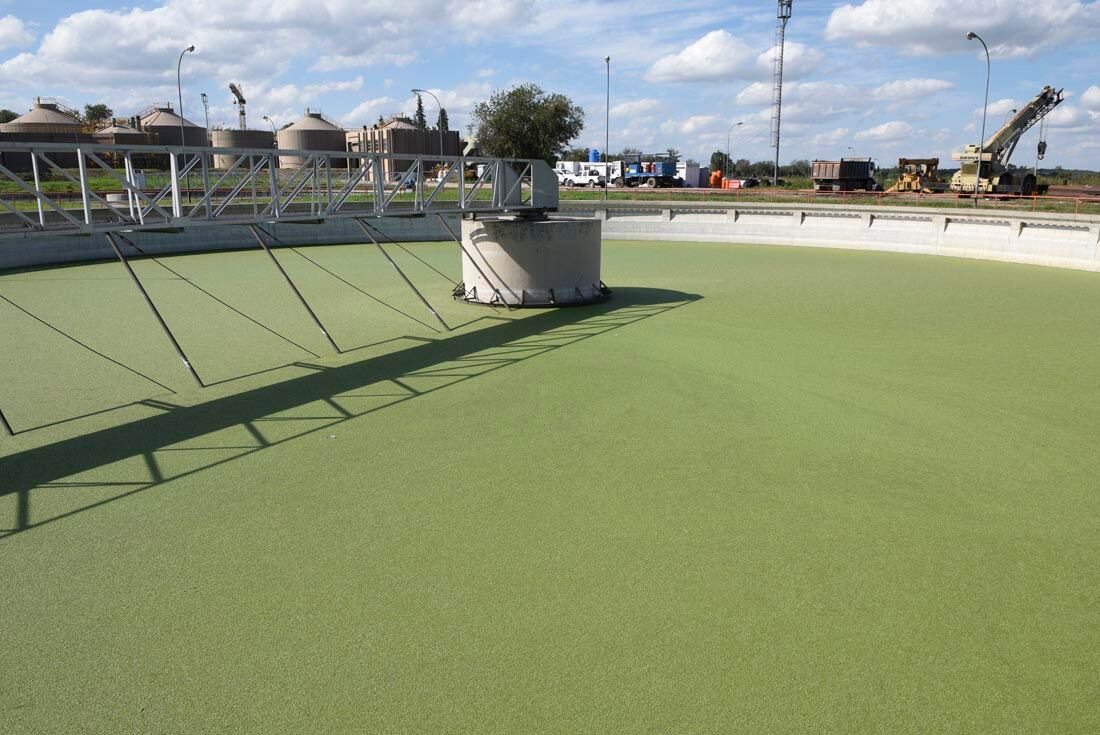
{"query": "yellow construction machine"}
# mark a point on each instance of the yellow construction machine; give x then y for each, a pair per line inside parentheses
(919, 175)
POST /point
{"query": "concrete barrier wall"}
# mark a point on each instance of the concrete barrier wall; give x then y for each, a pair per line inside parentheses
(1063, 241)
(38, 250)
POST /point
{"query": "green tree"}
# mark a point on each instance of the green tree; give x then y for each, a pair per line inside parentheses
(443, 123)
(673, 154)
(742, 168)
(7, 115)
(575, 154)
(719, 161)
(526, 122)
(419, 120)
(97, 113)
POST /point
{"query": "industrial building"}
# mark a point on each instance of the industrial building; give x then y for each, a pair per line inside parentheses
(400, 135)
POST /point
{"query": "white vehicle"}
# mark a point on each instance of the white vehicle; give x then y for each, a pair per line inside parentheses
(588, 177)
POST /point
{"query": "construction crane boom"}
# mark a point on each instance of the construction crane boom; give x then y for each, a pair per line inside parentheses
(236, 90)
(997, 149)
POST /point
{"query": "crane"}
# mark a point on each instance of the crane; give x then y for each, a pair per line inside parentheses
(995, 175)
(236, 90)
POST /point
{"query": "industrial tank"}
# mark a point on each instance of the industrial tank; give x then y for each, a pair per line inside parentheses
(47, 122)
(264, 139)
(118, 134)
(314, 132)
(163, 122)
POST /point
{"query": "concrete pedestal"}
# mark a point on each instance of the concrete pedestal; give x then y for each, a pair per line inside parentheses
(531, 262)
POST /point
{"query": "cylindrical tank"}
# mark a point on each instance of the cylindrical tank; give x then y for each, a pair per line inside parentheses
(47, 122)
(314, 132)
(593, 156)
(163, 122)
(525, 262)
(123, 135)
(264, 139)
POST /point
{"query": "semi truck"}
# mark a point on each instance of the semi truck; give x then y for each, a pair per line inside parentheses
(847, 174)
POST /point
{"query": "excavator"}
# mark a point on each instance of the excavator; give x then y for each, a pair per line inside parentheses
(995, 176)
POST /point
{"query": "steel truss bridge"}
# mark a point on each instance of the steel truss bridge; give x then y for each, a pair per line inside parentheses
(111, 191)
(255, 186)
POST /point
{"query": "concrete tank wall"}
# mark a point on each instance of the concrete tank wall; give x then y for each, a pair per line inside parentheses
(1036, 238)
(531, 262)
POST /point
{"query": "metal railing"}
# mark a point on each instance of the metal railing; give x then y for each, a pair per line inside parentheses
(256, 186)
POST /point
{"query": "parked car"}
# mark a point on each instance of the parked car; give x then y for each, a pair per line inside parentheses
(590, 177)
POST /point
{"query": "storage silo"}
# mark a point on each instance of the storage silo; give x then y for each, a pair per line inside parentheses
(264, 139)
(162, 121)
(47, 122)
(314, 132)
(121, 134)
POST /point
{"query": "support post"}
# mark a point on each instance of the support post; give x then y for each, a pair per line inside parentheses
(153, 307)
(462, 247)
(316, 320)
(366, 230)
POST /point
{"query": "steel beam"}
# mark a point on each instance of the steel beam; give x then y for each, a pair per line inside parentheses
(313, 315)
(367, 231)
(153, 308)
(473, 262)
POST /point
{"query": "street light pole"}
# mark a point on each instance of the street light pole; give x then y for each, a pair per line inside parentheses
(438, 122)
(729, 149)
(272, 125)
(206, 115)
(607, 131)
(179, 91)
(985, 108)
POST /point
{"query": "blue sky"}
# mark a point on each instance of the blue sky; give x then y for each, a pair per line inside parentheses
(885, 77)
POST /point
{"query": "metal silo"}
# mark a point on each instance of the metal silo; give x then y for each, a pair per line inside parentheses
(264, 139)
(47, 122)
(163, 122)
(314, 132)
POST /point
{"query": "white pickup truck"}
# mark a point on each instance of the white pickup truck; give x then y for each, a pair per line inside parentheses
(581, 178)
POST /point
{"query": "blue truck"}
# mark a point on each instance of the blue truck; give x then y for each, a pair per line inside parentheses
(658, 171)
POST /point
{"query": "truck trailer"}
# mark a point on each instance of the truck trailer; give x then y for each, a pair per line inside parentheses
(847, 174)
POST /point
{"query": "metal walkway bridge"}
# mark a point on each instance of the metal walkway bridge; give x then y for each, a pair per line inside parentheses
(108, 188)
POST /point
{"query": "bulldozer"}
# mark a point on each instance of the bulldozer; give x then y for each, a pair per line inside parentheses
(919, 175)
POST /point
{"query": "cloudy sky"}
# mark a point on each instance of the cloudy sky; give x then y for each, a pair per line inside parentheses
(885, 77)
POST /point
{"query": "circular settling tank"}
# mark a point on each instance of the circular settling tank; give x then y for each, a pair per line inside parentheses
(521, 261)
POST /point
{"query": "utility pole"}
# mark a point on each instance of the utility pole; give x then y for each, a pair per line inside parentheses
(206, 115)
(607, 132)
(783, 14)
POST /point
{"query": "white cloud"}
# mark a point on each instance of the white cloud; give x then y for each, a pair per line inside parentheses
(798, 60)
(1091, 98)
(888, 131)
(367, 112)
(716, 56)
(998, 107)
(635, 107)
(909, 89)
(14, 33)
(928, 27)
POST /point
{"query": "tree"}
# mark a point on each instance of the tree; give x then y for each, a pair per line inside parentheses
(742, 168)
(419, 120)
(673, 154)
(97, 113)
(719, 161)
(575, 154)
(442, 122)
(526, 122)
(7, 115)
